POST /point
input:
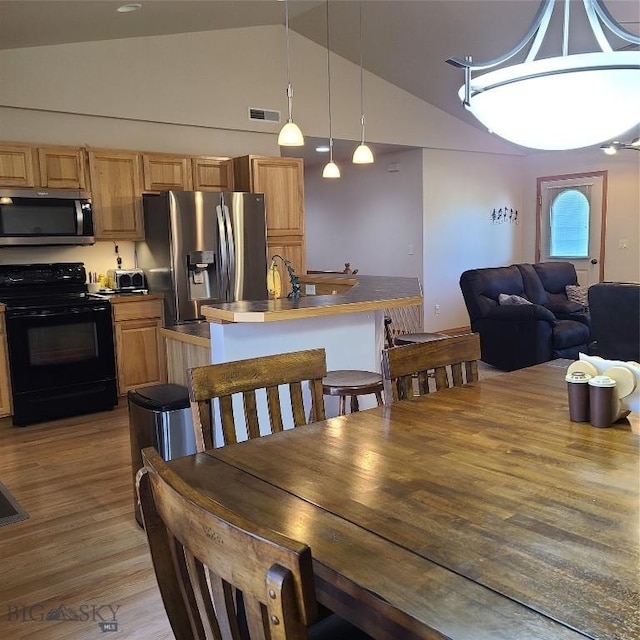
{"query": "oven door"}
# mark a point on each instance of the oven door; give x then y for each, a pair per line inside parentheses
(59, 347)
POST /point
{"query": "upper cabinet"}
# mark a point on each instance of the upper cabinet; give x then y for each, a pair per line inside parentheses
(163, 172)
(50, 167)
(61, 167)
(282, 182)
(116, 188)
(117, 179)
(17, 163)
(212, 174)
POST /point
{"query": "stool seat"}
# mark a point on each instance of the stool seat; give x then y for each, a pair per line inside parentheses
(413, 338)
(352, 383)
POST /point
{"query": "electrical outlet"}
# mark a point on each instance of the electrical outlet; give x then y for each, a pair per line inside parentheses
(412, 249)
(623, 244)
(436, 309)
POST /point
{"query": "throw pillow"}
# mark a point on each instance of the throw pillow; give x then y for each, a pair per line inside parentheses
(576, 293)
(505, 298)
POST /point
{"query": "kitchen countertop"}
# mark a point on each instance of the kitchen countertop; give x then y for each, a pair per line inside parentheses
(368, 293)
(115, 297)
(197, 333)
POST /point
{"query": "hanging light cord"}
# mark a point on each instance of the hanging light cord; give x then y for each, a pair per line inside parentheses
(361, 78)
(289, 89)
(329, 83)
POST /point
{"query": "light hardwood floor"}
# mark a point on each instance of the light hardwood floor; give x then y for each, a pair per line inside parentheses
(81, 546)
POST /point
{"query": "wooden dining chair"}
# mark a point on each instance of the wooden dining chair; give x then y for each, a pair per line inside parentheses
(224, 380)
(450, 362)
(222, 577)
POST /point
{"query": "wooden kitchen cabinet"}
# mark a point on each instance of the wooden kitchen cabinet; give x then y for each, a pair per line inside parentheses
(140, 353)
(17, 165)
(5, 384)
(212, 174)
(282, 182)
(163, 172)
(47, 166)
(116, 190)
(61, 167)
(291, 248)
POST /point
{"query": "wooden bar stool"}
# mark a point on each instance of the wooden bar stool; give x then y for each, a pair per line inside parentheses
(352, 383)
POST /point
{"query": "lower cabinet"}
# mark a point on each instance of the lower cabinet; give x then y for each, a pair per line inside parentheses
(292, 249)
(5, 385)
(140, 354)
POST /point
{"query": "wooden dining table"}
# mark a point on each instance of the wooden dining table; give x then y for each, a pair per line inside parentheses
(479, 512)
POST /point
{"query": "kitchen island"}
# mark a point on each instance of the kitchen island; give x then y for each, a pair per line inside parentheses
(348, 325)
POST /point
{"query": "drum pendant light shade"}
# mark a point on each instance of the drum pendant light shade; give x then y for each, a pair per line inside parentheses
(290, 134)
(331, 170)
(582, 111)
(565, 102)
(362, 155)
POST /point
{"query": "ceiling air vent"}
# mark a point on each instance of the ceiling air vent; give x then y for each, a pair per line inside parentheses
(268, 115)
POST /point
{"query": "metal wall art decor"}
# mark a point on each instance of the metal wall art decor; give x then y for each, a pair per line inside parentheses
(504, 215)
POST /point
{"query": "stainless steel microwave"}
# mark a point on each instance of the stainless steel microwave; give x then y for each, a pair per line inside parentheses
(34, 217)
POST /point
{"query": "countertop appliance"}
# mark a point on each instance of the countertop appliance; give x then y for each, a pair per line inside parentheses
(36, 217)
(60, 342)
(203, 247)
(127, 280)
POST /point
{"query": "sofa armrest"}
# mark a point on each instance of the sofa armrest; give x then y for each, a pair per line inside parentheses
(565, 308)
(521, 312)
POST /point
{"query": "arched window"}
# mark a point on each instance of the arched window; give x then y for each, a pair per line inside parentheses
(569, 222)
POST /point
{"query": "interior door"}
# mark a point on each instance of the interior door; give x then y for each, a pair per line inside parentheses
(571, 222)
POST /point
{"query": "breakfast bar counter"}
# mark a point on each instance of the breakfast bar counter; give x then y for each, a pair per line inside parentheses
(348, 325)
(353, 294)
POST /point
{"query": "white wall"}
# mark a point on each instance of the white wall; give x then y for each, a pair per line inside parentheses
(99, 257)
(460, 190)
(369, 217)
(190, 93)
(209, 80)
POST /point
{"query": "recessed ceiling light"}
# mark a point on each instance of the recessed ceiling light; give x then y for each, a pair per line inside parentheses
(322, 149)
(127, 8)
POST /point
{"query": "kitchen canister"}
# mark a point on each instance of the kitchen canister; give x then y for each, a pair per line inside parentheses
(603, 403)
(578, 395)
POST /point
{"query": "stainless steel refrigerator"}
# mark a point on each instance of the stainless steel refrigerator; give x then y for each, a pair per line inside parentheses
(203, 247)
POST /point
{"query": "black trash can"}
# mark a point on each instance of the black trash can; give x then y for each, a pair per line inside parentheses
(159, 417)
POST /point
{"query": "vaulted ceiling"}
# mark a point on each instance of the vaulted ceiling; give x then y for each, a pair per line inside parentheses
(406, 42)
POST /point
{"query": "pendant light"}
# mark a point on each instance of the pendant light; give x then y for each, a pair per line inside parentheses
(362, 153)
(290, 134)
(565, 102)
(331, 169)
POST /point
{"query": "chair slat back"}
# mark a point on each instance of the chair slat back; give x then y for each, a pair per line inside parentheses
(245, 377)
(404, 320)
(219, 574)
(450, 362)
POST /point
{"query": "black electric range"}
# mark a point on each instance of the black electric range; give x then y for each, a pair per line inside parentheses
(60, 342)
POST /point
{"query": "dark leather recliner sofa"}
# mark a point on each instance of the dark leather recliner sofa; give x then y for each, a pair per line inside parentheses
(520, 335)
(615, 317)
